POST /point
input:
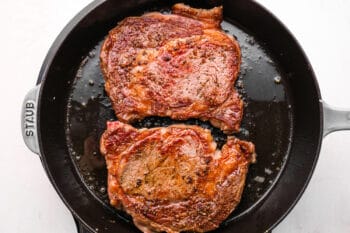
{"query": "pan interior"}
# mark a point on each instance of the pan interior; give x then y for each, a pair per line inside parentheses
(267, 121)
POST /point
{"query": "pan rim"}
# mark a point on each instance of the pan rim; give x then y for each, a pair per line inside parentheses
(42, 77)
(320, 107)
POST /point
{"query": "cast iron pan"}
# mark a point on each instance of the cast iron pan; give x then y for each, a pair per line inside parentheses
(65, 115)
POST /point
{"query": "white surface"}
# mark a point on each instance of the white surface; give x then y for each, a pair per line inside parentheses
(30, 204)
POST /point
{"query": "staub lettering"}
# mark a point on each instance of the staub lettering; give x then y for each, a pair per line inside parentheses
(29, 119)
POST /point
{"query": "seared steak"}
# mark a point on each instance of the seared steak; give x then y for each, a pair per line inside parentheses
(174, 178)
(180, 65)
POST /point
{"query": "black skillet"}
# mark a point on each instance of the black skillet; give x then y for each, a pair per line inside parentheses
(65, 114)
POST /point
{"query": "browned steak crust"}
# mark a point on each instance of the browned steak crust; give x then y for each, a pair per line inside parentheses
(174, 178)
(180, 65)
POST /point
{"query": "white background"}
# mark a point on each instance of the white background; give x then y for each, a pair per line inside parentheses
(28, 28)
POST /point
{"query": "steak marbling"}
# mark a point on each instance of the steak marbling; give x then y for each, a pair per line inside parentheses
(180, 65)
(174, 178)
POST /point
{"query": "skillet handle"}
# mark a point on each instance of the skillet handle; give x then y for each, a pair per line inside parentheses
(335, 119)
(29, 119)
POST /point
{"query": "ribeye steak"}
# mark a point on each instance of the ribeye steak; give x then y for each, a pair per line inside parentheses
(179, 65)
(174, 178)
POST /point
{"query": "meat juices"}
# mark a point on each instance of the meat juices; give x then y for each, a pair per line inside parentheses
(174, 178)
(179, 66)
